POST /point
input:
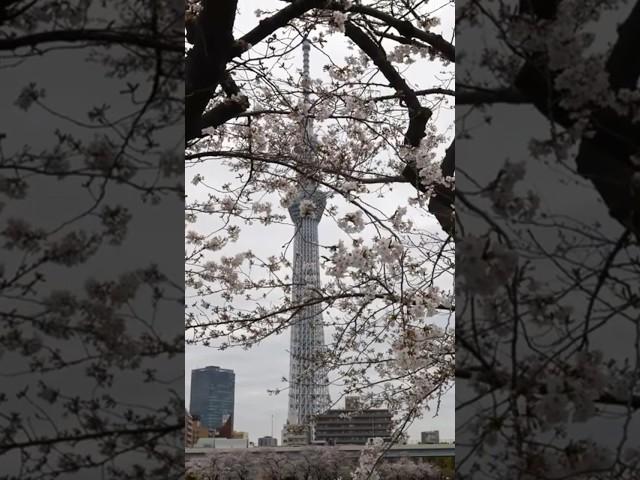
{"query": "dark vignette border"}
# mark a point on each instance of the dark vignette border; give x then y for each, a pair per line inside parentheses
(91, 283)
(547, 353)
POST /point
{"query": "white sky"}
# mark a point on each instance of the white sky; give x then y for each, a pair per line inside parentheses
(262, 367)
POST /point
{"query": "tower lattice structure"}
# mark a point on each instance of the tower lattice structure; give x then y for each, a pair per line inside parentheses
(308, 387)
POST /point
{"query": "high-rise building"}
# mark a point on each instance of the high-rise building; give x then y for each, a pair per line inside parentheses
(212, 397)
(430, 437)
(308, 382)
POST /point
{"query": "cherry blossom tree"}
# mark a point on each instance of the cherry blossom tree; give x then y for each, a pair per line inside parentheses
(310, 464)
(546, 340)
(381, 130)
(77, 328)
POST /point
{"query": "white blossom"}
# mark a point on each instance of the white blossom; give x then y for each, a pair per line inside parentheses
(307, 208)
(352, 222)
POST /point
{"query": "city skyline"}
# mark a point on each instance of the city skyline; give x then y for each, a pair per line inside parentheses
(254, 406)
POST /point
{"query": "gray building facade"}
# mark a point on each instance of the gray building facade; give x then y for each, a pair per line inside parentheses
(213, 396)
(430, 437)
(348, 427)
(267, 441)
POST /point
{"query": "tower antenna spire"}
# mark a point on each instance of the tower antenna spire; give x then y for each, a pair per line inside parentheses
(306, 92)
(306, 74)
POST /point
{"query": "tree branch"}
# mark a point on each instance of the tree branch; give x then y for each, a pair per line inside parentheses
(269, 25)
(479, 96)
(223, 112)
(604, 158)
(426, 91)
(501, 379)
(418, 115)
(441, 201)
(442, 197)
(92, 36)
(623, 65)
(206, 62)
(64, 438)
(407, 29)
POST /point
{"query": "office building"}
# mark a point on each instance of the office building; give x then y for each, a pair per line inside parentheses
(353, 427)
(267, 441)
(212, 397)
(294, 435)
(430, 437)
(352, 403)
(189, 434)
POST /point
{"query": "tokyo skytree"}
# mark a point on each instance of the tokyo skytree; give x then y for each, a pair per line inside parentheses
(308, 382)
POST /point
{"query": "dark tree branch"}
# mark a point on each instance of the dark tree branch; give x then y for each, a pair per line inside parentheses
(604, 158)
(502, 379)
(418, 115)
(80, 437)
(404, 27)
(442, 197)
(545, 9)
(611, 175)
(269, 25)
(441, 201)
(207, 60)
(426, 91)
(223, 112)
(623, 64)
(212, 35)
(204, 74)
(407, 29)
(100, 37)
(477, 96)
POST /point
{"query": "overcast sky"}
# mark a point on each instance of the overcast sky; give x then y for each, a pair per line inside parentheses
(262, 367)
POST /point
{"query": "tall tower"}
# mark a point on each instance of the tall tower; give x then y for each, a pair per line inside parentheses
(308, 381)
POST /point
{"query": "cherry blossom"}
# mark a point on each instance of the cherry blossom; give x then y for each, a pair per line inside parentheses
(362, 134)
